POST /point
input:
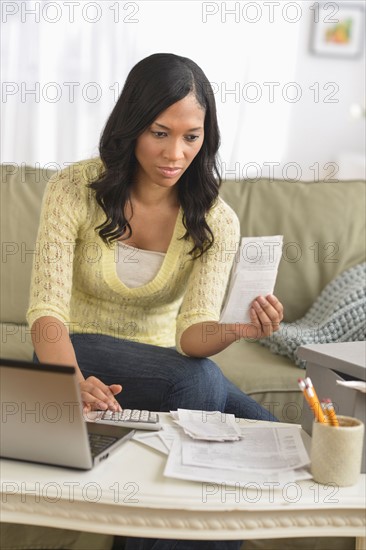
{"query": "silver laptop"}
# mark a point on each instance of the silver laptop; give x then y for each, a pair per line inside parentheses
(42, 420)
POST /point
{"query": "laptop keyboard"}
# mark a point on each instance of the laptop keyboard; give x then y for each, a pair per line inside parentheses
(100, 442)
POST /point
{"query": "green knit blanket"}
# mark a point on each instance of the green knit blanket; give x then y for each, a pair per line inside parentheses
(337, 315)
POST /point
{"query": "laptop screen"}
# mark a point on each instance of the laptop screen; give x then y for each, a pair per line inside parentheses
(41, 414)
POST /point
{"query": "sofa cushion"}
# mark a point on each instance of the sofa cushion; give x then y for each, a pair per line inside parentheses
(337, 315)
(318, 221)
(21, 195)
(323, 224)
(270, 379)
(16, 342)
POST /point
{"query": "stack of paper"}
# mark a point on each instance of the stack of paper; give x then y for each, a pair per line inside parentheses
(215, 448)
(208, 426)
(273, 454)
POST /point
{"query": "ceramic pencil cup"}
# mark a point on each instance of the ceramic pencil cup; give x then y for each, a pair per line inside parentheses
(336, 452)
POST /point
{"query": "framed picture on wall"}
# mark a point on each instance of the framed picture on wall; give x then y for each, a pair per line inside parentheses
(337, 29)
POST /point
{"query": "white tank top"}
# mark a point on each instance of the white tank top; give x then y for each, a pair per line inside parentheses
(136, 267)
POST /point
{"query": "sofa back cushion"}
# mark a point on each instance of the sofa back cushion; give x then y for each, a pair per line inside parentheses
(323, 224)
(22, 189)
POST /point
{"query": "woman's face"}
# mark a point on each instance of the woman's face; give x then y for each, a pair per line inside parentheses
(166, 149)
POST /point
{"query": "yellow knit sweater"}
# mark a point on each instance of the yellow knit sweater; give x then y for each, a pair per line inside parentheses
(74, 272)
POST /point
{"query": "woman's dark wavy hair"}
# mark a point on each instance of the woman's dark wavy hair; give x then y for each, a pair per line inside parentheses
(153, 85)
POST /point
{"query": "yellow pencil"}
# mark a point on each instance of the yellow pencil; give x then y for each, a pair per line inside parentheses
(329, 411)
(314, 401)
(302, 387)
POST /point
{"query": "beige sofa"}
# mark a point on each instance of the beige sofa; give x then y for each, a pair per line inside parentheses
(323, 224)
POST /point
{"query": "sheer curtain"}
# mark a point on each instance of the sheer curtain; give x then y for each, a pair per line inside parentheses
(64, 64)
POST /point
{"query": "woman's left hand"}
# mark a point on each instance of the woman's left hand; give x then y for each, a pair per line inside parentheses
(266, 314)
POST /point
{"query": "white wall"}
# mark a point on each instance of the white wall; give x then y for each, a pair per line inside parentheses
(326, 132)
(232, 50)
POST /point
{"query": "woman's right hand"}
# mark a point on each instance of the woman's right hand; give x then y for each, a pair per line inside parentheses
(98, 396)
(57, 349)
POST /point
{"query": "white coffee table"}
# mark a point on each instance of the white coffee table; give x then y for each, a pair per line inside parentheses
(128, 495)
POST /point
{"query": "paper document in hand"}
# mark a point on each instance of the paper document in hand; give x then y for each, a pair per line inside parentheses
(253, 274)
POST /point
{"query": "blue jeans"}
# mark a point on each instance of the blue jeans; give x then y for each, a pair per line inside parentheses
(161, 379)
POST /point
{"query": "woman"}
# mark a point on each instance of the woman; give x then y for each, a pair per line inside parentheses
(133, 260)
(138, 262)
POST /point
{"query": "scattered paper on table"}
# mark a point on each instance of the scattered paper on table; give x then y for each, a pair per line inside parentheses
(256, 453)
(261, 449)
(168, 434)
(177, 469)
(151, 439)
(208, 425)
